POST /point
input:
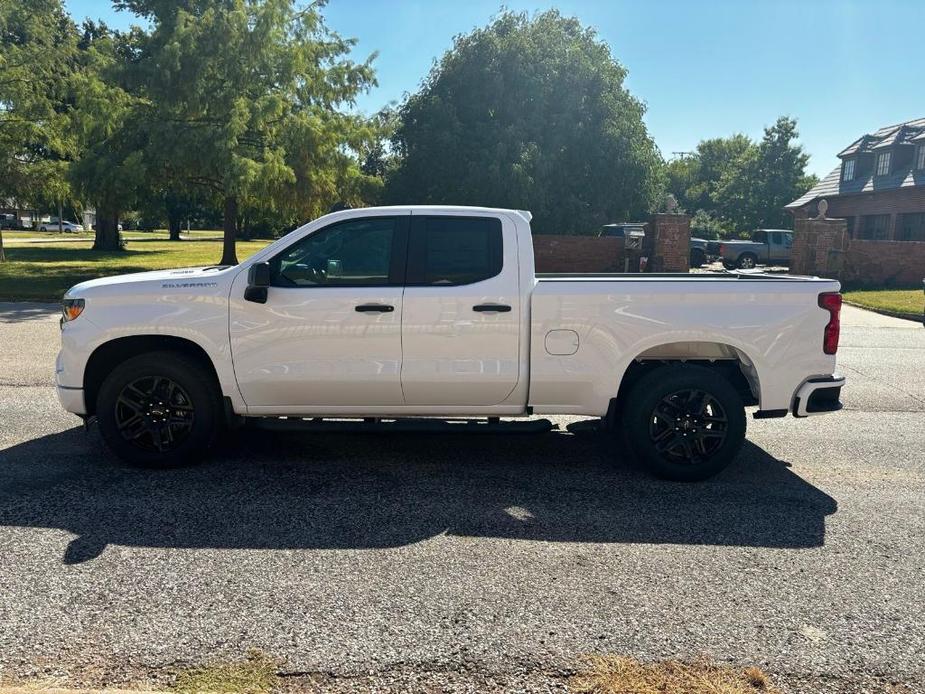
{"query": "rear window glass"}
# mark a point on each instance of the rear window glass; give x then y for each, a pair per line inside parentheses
(455, 250)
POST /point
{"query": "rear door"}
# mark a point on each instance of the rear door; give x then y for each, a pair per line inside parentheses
(461, 311)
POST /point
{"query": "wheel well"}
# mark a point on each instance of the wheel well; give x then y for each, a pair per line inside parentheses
(111, 354)
(733, 370)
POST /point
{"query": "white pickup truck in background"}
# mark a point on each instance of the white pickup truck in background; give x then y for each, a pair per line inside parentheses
(436, 312)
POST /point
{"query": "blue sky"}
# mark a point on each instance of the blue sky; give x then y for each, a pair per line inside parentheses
(704, 68)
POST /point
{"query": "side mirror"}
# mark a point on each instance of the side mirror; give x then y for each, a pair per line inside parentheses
(258, 279)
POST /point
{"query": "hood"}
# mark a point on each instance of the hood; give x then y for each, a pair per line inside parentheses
(181, 278)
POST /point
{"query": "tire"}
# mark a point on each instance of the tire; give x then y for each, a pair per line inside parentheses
(159, 410)
(43, 229)
(747, 261)
(698, 258)
(693, 450)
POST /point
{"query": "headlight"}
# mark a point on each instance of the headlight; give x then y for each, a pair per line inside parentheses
(71, 308)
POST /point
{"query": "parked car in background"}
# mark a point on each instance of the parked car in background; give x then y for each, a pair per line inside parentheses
(767, 247)
(64, 225)
(349, 316)
(623, 229)
(703, 251)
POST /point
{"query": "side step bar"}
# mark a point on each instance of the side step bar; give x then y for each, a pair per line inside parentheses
(492, 425)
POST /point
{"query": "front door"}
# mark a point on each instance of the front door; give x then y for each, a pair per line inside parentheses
(461, 313)
(329, 334)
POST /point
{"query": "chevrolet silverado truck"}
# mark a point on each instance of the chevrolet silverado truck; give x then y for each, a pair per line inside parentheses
(436, 312)
(767, 246)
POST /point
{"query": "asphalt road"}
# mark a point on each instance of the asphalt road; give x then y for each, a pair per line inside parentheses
(356, 553)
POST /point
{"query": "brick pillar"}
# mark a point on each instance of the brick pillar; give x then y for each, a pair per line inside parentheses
(668, 243)
(819, 247)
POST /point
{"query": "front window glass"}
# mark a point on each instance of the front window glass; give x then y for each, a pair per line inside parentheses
(352, 253)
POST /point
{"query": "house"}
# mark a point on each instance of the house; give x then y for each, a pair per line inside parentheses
(879, 187)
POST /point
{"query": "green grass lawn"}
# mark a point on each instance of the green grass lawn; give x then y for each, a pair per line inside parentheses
(892, 300)
(43, 272)
(10, 237)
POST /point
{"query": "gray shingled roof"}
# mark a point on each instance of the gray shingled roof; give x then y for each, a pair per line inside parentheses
(910, 132)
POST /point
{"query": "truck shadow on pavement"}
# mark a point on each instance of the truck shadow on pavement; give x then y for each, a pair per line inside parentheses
(365, 491)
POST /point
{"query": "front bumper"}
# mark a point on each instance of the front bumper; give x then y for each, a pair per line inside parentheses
(819, 395)
(72, 399)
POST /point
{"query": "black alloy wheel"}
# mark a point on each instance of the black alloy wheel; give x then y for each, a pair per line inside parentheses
(160, 409)
(683, 422)
(688, 426)
(154, 413)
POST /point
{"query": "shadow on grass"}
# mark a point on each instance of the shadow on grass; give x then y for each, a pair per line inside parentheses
(354, 491)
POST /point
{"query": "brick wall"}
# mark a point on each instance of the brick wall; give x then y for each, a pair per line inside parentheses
(822, 247)
(818, 245)
(884, 263)
(578, 253)
(668, 243)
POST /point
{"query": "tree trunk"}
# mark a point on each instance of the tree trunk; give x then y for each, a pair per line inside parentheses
(174, 225)
(230, 227)
(107, 230)
(174, 207)
(2, 254)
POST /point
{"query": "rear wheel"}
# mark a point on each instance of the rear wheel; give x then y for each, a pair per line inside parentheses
(684, 423)
(747, 261)
(160, 409)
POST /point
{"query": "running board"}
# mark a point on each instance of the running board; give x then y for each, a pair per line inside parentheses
(492, 425)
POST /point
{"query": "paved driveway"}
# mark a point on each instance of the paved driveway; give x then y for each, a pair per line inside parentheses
(349, 553)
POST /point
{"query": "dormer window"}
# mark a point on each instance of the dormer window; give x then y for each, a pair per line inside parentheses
(883, 163)
(847, 170)
(920, 157)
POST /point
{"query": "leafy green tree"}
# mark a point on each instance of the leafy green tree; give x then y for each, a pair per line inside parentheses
(37, 46)
(109, 171)
(739, 184)
(753, 192)
(528, 113)
(241, 98)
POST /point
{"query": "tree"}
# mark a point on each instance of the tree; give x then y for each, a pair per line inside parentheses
(109, 170)
(738, 184)
(753, 192)
(532, 114)
(241, 98)
(37, 46)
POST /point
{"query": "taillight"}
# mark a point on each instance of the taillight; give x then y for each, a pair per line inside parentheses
(831, 302)
(722, 249)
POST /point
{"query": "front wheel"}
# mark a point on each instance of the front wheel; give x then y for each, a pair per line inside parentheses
(161, 409)
(684, 423)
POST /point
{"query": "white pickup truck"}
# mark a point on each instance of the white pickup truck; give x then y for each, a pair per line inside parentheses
(419, 311)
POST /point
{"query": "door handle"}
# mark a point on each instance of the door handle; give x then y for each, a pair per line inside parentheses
(374, 308)
(492, 308)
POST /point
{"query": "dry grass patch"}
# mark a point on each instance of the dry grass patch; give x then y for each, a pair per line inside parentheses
(612, 674)
(257, 674)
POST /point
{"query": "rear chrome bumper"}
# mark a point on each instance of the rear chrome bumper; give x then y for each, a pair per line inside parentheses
(819, 395)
